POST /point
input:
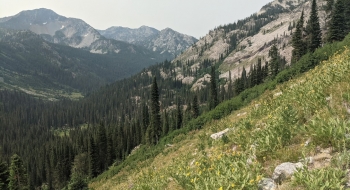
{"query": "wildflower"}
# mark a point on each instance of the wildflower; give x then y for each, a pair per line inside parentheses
(258, 178)
(233, 169)
(232, 185)
(251, 181)
(220, 188)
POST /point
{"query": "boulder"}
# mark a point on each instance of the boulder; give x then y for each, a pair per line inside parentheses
(267, 184)
(219, 135)
(277, 94)
(285, 171)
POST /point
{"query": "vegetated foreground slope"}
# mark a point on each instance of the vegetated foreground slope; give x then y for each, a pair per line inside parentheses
(285, 124)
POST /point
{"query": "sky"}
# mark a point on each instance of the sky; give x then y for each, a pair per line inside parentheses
(192, 17)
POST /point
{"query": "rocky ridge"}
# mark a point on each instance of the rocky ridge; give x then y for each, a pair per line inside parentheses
(216, 43)
(166, 41)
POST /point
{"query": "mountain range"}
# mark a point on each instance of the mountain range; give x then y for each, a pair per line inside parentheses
(166, 41)
(43, 30)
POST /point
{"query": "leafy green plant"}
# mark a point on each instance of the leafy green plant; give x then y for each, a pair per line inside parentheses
(325, 178)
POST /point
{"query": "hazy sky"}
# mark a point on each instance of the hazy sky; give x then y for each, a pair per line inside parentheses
(192, 17)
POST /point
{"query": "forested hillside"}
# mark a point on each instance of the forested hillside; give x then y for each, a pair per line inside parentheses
(65, 144)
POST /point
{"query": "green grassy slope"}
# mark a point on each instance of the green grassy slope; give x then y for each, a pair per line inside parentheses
(267, 131)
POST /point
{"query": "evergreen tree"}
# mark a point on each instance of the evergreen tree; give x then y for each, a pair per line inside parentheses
(165, 123)
(347, 16)
(102, 148)
(145, 119)
(213, 96)
(313, 29)
(18, 179)
(244, 80)
(92, 158)
(274, 61)
(110, 152)
(259, 72)
(4, 175)
(195, 107)
(178, 115)
(297, 41)
(336, 30)
(154, 129)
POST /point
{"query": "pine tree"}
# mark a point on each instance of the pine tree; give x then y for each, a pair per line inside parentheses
(347, 17)
(297, 42)
(244, 80)
(145, 119)
(102, 148)
(4, 175)
(154, 129)
(336, 30)
(178, 115)
(259, 72)
(18, 179)
(213, 96)
(274, 61)
(92, 158)
(313, 29)
(110, 152)
(195, 107)
(165, 123)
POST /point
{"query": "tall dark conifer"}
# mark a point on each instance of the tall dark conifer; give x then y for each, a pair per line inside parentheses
(92, 153)
(347, 16)
(259, 72)
(195, 107)
(178, 115)
(337, 27)
(313, 29)
(165, 123)
(297, 41)
(4, 175)
(213, 96)
(154, 129)
(102, 148)
(274, 61)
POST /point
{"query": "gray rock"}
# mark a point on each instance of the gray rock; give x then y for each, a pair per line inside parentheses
(267, 184)
(219, 135)
(285, 171)
(277, 94)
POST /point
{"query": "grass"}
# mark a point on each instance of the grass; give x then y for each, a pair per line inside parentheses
(273, 131)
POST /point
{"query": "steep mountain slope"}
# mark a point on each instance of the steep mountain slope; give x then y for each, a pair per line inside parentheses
(41, 68)
(304, 120)
(240, 44)
(167, 42)
(69, 31)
